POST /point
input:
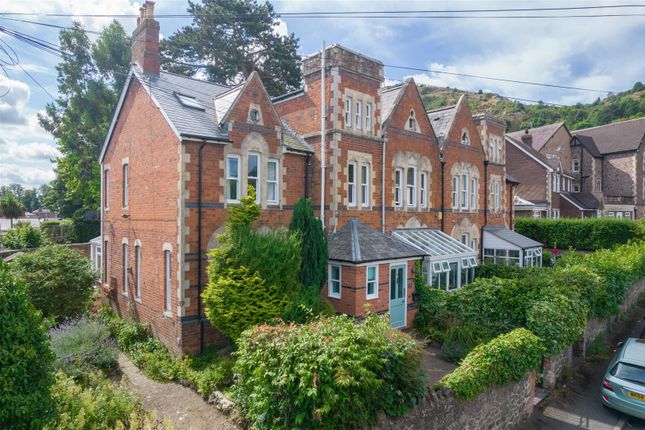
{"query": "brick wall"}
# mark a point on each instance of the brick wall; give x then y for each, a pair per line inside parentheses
(619, 174)
(531, 175)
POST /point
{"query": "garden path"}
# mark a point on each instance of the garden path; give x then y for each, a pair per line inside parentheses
(181, 405)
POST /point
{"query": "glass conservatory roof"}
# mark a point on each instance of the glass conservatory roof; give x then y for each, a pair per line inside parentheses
(433, 242)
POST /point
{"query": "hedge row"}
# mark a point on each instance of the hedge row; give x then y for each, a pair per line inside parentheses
(553, 303)
(585, 233)
(504, 359)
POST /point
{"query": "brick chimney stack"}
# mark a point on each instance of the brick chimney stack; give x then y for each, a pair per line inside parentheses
(527, 139)
(145, 40)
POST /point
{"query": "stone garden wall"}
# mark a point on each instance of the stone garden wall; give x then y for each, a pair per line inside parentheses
(499, 407)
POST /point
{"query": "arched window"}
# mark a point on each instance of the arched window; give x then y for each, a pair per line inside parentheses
(412, 122)
(575, 165)
(465, 140)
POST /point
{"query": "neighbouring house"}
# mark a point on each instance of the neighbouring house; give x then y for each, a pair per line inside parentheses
(610, 164)
(380, 173)
(539, 158)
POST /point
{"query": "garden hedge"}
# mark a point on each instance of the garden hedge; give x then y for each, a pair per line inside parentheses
(506, 358)
(584, 234)
(328, 374)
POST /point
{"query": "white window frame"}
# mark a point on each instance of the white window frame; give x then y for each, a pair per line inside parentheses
(498, 196)
(106, 188)
(351, 184)
(465, 238)
(473, 193)
(126, 185)
(398, 188)
(237, 179)
(368, 117)
(125, 249)
(575, 165)
(464, 191)
(455, 192)
(374, 295)
(365, 185)
(412, 121)
(137, 261)
(576, 188)
(555, 213)
(465, 141)
(411, 188)
(423, 186)
(106, 256)
(330, 289)
(167, 254)
(348, 112)
(273, 183)
(257, 178)
(359, 118)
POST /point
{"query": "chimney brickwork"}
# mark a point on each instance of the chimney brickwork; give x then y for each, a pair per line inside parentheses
(145, 40)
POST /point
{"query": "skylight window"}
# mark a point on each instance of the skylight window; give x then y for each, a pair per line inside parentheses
(189, 101)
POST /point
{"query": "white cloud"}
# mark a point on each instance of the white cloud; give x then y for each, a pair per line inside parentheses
(14, 152)
(24, 175)
(14, 101)
(281, 28)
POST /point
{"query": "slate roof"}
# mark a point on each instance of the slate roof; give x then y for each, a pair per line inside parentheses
(187, 121)
(532, 152)
(293, 140)
(589, 144)
(511, 179)
(584, 200)
(389, 98)
(617, 137)
(512, 237)
(358, 243)
(441, 120)
(540, 135)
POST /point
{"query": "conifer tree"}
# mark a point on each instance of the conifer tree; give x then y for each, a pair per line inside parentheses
(313, 269)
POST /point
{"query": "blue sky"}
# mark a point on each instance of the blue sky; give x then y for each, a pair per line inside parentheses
(601, 53)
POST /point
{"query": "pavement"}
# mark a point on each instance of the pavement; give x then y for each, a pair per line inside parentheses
(576, 404)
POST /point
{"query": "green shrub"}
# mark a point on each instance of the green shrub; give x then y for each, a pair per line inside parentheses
(83, 346)
(504, 359)
(60, 280)
(25, 359)
(459, 339)
(98, 405)
(506, 272)
(585, 233)
(589, 285)
(328, 374)
(23, 235)
(558, 320)
(204, 373)
(313, 245)
(307, 306)
(239, 299)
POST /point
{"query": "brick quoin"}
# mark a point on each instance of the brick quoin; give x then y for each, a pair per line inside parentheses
(163, 210)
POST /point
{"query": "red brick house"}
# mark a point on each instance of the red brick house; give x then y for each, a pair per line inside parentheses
(180, 151)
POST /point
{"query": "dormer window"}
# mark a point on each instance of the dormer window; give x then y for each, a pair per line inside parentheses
(412, 122)
(254, 115)
(465, 139)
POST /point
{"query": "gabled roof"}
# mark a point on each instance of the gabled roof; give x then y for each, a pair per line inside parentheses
(512, 237)
(541, 159)
(617, 137)
(224, 101)
(589, 144)
(390, 97)
(441, 120)
(511, 179)
(540, 135)
(357, 243)
(583, 201)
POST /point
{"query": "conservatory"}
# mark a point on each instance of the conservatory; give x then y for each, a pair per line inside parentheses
(448, 264)
(506, 247)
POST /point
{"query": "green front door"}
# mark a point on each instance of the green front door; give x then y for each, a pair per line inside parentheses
(397, 295)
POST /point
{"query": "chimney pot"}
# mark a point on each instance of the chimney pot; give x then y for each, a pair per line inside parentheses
(527, 139)
(145, 40)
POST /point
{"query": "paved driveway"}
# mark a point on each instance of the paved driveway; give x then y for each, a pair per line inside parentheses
(577, 404)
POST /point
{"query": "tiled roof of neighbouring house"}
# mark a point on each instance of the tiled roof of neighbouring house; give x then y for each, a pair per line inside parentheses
(589, 144)
(358, 243)
(389, 98)
(584, 200)
(512, 237)
(540, 135)
(617, 137)
(441, 119)
(293, 140)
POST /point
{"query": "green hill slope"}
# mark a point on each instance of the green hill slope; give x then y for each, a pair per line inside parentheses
(616, 107)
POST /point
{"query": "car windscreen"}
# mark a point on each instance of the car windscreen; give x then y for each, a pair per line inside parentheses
(629, 372)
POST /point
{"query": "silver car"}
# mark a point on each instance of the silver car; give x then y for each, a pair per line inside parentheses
(623, 387)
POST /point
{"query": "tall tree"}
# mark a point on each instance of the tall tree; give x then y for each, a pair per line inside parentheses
(11, 208)
(90, 78)
(232, 38)
(313, 269)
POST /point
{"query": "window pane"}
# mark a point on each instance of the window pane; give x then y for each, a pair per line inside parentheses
(411, 177)
(233, 169)
(335, 272)
(350, 173)
(232, 189)
(253, 166)
(271, 171)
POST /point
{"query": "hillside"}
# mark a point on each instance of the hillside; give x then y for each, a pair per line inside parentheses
(617, 107)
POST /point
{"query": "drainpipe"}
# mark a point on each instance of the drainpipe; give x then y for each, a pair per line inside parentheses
(384, 142)
(307, 161)
(485, 206)
(443, 206)
(199, 248)
(323, 143)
